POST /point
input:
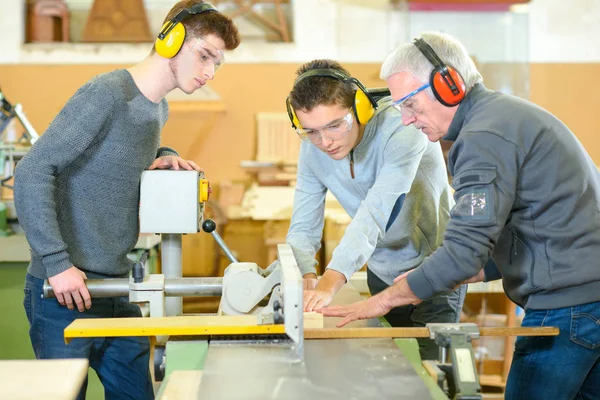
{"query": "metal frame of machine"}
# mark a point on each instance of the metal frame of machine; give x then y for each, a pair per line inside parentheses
(283, 314)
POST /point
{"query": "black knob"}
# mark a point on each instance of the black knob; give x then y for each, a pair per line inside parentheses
(138, 272)
(208, 225)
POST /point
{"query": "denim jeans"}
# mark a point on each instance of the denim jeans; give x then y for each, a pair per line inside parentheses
(562, 367)
(445, 307)
(122, 364)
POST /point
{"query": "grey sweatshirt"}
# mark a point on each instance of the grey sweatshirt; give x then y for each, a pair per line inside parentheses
(527, 194)
(399, 200)
(77, 190)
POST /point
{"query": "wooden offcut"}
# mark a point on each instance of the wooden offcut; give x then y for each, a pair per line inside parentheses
(313, 320)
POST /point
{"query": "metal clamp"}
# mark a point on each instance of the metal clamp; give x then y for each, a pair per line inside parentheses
(461, 372)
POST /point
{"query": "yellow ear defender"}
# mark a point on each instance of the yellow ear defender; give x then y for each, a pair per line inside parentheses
(172, 34)
(364, 104)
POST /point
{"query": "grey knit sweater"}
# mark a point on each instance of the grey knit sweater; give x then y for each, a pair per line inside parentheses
(77, 190)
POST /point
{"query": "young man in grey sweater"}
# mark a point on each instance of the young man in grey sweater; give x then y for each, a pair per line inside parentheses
(389, 179)
(77, 192)
(527, 196)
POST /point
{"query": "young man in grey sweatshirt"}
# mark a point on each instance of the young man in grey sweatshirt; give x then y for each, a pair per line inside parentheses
(527, 195)
(389, 179)
(77, 192)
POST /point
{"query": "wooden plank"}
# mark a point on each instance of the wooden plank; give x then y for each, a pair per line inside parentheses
(248, 325)
(42, 379)
(357, 333)
(518, 331)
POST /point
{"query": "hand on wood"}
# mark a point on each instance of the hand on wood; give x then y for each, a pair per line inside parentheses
(371, 308)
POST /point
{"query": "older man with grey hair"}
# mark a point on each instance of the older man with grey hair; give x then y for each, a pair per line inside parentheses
(527, 212)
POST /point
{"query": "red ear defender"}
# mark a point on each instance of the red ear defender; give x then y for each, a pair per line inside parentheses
(446, 83)
(448, 86)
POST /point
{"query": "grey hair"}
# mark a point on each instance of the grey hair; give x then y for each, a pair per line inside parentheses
(408, 58)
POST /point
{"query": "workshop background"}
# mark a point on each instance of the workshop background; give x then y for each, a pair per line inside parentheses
(236, 128)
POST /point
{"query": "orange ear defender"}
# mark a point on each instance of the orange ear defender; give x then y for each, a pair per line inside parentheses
(446, 83)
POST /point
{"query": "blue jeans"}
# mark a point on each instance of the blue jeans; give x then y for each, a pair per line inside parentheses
(445, 307)
(560, 367)
(122, 364)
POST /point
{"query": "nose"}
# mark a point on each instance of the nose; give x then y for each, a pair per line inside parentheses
(325, 141)
(408, 119)
(209, 72)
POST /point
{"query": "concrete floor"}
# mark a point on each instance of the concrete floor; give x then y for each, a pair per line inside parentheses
(14, 328)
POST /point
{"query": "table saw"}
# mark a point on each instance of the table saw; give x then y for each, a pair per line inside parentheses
(259, 345)
(268, 357)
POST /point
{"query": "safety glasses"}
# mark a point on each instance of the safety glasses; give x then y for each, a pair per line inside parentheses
(335, 130)
(208, 54)
(406, 107)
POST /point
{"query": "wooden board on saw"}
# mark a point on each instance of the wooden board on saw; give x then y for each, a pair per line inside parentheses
(395, 333)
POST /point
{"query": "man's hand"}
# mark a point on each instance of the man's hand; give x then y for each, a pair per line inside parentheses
(175, 163)
(403, 276)
(399, 294)
(480, 277)
(69, 287)
(310, 282)
(371, 308)
(316, 299)
(322, 295)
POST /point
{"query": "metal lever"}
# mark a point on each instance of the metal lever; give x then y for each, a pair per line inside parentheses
(209, 226)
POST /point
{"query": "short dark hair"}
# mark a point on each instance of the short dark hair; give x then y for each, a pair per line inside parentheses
(319, 90)
(206, 23)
